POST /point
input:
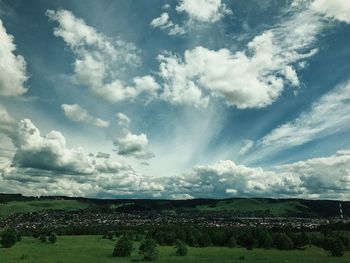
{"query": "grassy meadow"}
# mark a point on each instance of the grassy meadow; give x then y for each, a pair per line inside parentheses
(256, 205)
(95, 249)
(39, 205)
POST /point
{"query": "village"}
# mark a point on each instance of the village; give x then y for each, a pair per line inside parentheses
(85, 218)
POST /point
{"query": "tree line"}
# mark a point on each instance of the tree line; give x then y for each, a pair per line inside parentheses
(336, 242)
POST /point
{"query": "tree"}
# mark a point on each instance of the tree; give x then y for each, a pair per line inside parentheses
(266, 241)
(123, 247)
(334, 245)
(148, 249)
(19, 237)
(52, 237)
(263, 238)
(232, 242)
(181, 248)
(337, 248)
(8, 238)
(247, 240)
(110, 235)
(205, 239)
(43, 238)
(283, 242)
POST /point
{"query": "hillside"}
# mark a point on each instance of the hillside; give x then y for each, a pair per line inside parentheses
(250, 207)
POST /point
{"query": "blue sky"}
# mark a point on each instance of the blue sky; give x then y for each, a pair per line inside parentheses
(175, 99)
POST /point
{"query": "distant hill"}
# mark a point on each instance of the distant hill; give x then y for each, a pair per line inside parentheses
(245, 207)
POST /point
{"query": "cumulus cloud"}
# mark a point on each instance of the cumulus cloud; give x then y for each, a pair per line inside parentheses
(100, 61)
(165, 24)
(47, 152)
(335, 9)
(76, 113)
(203, 10)
(207, 11)
(254, 77)
(225, 178)
(13, 73)
(326, 177)
(134, 145)
(7, 122)
(161, 21)
(45, 165)
(122, 119)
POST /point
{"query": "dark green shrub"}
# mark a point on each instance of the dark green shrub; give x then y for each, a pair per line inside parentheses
(52, 238)
(123, 247)
(181, 248)
(8, 238)
(43, 238)
(232, 242)
(283, 241)
(148, 249)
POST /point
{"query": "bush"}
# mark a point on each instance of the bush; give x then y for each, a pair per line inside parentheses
(232, 242)
(283, 242)
(123, 247)
(267, 242)
(52, 238)
(148, 249)
(247, 241)
(8, 238)
(334, 245)
(181, 248)
(42, 238)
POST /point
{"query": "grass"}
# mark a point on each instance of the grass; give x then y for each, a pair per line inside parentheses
(79, 249)
(256, 205)
(39, 205)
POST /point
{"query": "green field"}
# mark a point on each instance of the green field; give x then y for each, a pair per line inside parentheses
(39, 205)
(95, 249)
(256, 205)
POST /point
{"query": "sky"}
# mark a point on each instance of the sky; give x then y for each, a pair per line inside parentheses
(175, 99)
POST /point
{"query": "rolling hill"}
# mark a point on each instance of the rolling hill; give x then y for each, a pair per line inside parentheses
(16, 203)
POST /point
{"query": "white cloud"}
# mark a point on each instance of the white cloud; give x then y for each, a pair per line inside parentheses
(47, 152)
(133, 145)
(44, 165)
(335, 9)
(161, 21)
(247, 145)
(101, 123)
(177, 30)
(208, 11)
(177, 87)
(317, 122)
(326, 177)
(203, 10)
(13, 73)
(101, 61)
(165, 24)
(7, 122)
(122, 119)
(76, 113)
(252, 78)
(225, 178)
